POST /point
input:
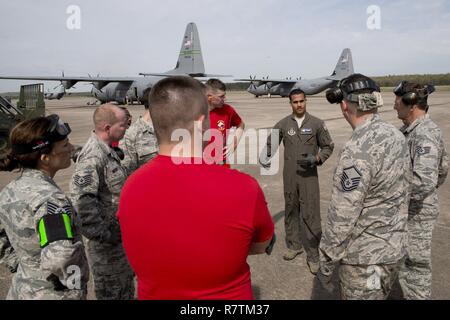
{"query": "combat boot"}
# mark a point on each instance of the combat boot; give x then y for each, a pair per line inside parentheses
(313, 266)
(291, 254)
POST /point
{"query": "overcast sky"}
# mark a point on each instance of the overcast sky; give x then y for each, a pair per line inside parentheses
(278, 38)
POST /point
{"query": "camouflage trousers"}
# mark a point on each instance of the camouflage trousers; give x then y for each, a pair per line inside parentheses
(415, 275)
(302, 217)
(113, 276)
(367, 282)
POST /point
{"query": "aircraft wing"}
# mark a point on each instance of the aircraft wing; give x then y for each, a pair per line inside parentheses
(75, 79)
(264, 80)
(194, 75)
(68, 82)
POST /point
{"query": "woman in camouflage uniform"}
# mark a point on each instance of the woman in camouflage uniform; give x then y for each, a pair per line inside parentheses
(38, 218)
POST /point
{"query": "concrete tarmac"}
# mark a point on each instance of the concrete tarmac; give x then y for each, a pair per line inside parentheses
(273, 277)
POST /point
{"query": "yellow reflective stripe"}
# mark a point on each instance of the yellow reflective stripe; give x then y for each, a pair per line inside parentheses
(67, 225)
(189, 52)
(42, 233)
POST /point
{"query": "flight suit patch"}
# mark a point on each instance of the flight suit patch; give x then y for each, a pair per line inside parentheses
(291, 132)
(306, 131)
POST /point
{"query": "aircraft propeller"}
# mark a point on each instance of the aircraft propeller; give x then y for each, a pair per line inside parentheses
(252, 84)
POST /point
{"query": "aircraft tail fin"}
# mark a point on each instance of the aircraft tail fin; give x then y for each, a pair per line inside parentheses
(190, 60)
(344, 66)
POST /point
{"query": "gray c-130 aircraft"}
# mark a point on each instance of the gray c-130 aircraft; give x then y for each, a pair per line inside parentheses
(129, 89)
(283, 87)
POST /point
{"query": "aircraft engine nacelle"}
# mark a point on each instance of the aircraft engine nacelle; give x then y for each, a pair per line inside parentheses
(100, 95)
(258, 91)
(67, 84)
(99, 85)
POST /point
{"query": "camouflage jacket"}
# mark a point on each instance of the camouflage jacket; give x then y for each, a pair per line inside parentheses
(139, 145)
(367, 215)
(95, 190)
(8, 256)
(430, 167)
(56, 269)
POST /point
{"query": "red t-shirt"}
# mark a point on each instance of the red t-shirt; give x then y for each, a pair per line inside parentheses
(187, 229)
(222, 119)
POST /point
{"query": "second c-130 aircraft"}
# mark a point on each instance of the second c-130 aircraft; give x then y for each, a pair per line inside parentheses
(129, 89)
(283, 87)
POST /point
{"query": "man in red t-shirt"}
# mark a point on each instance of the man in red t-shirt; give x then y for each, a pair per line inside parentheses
(181, 237)
(222, 118)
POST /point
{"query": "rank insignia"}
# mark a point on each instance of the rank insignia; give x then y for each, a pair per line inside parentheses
(350, 179)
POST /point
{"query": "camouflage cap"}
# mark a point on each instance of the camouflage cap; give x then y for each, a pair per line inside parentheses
(366, 101)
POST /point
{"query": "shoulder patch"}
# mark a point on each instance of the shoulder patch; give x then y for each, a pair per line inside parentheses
(422, 150)
(350, 179)
(55, 209)
(82, 181)
(55, 224)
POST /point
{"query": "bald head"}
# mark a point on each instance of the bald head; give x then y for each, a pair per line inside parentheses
(110, 123)
(107, 114)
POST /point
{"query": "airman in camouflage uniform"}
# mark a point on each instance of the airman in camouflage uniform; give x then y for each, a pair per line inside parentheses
(43, 272)
(41, 229)
(365, 231)
(430, 166)
(305, 147)
(139, 145)
(95, 190)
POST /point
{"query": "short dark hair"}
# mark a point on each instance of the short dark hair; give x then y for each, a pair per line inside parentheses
(215, 84)
(294, 92)
(144, 98)
(176, 103)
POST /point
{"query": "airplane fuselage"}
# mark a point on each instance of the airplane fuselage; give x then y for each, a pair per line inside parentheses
(310, 87)
(281, 87)
(258, 90)
(313, 86)
(122, 92)
(128, 89)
